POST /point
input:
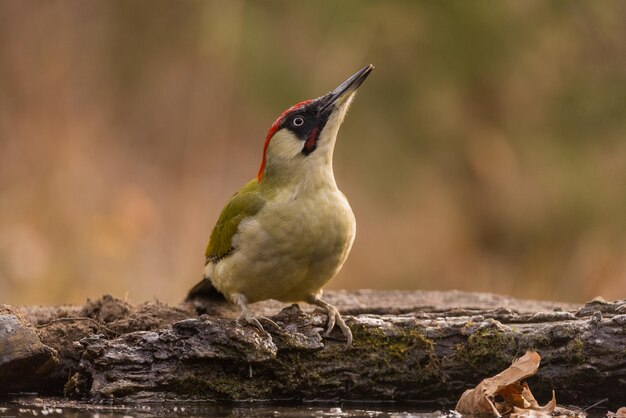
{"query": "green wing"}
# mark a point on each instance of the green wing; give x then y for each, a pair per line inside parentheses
(247, 202)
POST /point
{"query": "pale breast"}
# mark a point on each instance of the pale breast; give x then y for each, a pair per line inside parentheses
(290, 249)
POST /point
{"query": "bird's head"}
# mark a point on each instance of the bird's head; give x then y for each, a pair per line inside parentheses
(302, 139)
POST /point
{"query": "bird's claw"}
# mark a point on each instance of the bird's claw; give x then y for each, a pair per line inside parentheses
(333, 313)
(242, 301)
(334, 318)
(252, 320)
(256, 322)
(269, 321)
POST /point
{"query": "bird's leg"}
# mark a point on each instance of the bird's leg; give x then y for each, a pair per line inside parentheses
(334, 317)
(242, 302)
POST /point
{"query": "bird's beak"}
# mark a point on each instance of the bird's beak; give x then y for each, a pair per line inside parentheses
(345, 89)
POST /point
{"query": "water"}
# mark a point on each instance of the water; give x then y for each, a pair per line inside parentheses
(51, 407)
(32, 406)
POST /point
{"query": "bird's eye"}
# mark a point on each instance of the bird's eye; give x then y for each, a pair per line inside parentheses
(298, 121)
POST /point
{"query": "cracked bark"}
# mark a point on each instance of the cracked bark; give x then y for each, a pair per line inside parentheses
(418, 346)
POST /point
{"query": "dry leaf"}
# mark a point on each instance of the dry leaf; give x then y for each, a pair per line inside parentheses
(517, 397)
(523, 413)
(535, 410)
(621, 413)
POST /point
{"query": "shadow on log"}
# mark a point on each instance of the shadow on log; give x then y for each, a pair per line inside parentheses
(418, 346)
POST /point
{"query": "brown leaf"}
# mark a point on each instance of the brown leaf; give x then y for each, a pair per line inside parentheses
(621, 413)
(534, 409)
(519, 413)
(517, 397)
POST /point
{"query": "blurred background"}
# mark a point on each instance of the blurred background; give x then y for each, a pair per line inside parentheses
(486, 152)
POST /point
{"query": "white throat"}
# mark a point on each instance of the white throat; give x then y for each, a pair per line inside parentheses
(287, 167)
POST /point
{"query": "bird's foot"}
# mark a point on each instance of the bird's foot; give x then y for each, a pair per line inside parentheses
(242, 301)
(334, 318)
(250, 319)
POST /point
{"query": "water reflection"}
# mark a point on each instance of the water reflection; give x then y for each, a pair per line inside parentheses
(49, 407)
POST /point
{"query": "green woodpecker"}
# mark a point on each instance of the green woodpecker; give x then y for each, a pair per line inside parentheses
(286, 233)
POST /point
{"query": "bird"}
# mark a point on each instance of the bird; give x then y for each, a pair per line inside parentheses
(288, 232)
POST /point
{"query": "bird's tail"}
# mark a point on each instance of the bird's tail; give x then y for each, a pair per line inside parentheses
(204, 291)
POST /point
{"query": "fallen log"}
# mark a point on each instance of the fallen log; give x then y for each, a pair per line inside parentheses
(417, 346)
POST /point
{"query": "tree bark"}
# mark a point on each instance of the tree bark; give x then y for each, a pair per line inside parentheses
(23, 358)
(418, 346)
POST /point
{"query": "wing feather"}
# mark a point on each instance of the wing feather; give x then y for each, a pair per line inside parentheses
(244, 204)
